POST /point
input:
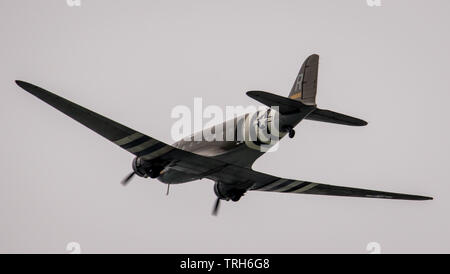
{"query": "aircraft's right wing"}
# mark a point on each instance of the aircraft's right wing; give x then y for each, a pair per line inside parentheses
(139, 144)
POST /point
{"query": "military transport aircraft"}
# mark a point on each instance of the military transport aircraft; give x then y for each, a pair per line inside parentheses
(227, 163)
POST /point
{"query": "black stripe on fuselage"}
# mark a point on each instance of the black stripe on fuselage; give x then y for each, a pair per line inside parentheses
(136, 142)
(150, 149)
(297, 187)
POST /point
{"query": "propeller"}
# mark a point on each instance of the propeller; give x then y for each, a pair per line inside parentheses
(127, 179)
(216, 207)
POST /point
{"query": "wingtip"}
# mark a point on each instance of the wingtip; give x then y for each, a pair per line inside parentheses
(251, 92)
(363, 123)
(22, 84)
(424, 198)
(357, 122)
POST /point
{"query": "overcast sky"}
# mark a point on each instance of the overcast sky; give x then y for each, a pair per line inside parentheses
(134, 61)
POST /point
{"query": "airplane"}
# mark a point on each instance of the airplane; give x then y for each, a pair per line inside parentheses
(227, 163)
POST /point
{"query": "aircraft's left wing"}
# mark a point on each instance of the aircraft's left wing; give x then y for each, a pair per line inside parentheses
(236, 176)
(276, 184)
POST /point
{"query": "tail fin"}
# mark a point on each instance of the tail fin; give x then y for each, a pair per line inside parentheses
(305, 86)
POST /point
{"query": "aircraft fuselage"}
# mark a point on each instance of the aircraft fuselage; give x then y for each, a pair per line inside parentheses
(237, 151)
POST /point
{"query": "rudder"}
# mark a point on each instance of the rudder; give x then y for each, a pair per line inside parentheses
(305, 85)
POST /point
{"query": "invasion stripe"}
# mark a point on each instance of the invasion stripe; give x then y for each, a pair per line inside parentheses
(267, 184)
(270, 185)
(303, 184)
(143, 146)
(129, 138)
(290, 185)
(151, 149)
(281, 185)
(136, 142)
(157, 153)
(308, 187)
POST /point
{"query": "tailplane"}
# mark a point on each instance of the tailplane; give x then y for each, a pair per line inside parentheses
(287, 106)
(302, 98)
(328, 116)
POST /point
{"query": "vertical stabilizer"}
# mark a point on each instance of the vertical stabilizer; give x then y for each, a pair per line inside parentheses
(305, 86)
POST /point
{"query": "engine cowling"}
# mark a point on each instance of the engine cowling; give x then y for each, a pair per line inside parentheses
(227, 193)
(146, 169)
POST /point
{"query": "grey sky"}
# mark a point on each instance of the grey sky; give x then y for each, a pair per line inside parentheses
(133, 61)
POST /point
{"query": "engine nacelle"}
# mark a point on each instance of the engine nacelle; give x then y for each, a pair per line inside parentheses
(224, 192)
(146, 169)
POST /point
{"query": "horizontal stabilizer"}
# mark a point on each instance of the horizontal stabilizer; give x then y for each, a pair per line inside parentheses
(285, 105)
(328, 116)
